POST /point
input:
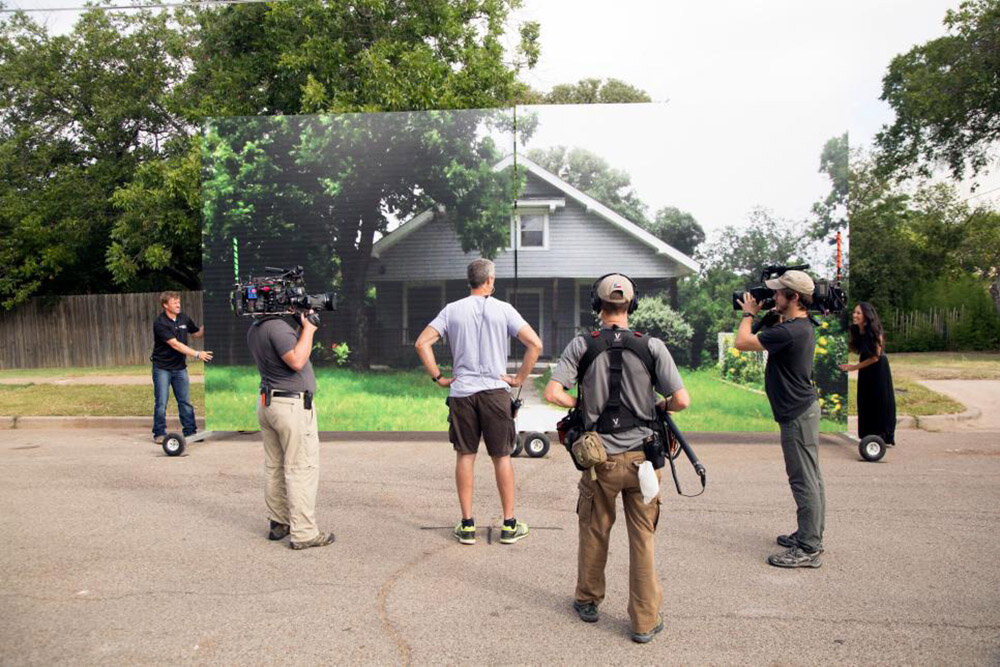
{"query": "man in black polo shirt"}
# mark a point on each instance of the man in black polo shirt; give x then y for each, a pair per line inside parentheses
(788, 383)
(171, 331)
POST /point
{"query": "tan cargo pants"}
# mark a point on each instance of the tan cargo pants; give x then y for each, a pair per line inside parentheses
(291, 460)
(596, 511)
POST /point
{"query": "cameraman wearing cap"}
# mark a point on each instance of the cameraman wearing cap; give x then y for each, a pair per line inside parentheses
(788, 383)
(618, 398)
(287, 421)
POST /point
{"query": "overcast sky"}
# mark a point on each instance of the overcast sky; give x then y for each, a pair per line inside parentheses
(747, 91)
(750, 91)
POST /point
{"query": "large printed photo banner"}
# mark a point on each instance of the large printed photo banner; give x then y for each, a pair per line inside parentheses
(386, 210)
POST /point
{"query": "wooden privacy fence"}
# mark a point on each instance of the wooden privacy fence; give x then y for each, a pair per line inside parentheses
(85, 330)
(938, 320)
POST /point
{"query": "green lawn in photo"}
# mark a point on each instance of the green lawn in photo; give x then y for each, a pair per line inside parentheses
(346, 400)
(723, 406)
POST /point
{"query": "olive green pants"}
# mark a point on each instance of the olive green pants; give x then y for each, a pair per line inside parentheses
(596, 512)
(800, 446)
(291, 461)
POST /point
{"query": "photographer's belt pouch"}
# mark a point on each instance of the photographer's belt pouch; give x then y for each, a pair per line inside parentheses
(588, 451)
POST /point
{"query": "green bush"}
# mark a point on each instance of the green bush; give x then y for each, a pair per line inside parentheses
(830, 381)
(655, 317)
(746, 368)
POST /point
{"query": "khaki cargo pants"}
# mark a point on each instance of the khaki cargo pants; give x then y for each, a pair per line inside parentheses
(596, 511)
(291, 460)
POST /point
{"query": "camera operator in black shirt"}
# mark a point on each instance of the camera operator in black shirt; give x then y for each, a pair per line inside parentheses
(788, 383)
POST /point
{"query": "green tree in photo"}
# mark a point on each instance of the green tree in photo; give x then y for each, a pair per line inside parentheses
(945, 97)
(592, 174)
(678, 229)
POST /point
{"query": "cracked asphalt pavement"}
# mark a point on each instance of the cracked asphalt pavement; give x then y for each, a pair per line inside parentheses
(114, 553)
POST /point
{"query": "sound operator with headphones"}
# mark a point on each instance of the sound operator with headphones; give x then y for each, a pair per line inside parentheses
(618, 372)
(478, 329)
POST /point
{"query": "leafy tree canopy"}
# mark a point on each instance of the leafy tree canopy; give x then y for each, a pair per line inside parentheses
(678, 229)
(592, 174)
(946, 97)
(831, 213)
(589, 91)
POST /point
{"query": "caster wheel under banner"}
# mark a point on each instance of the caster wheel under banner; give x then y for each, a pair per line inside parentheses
(536, 445)
(174, 444)
(518, 446)
(872, 448)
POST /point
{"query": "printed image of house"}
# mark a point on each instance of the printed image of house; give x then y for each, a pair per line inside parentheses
(565, 239)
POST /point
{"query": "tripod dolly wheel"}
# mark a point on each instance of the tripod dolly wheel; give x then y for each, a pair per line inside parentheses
(536, 445)
(173, 444)
(872, 448)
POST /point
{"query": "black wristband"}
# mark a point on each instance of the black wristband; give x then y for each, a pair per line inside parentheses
(746, 314)
(435, 380)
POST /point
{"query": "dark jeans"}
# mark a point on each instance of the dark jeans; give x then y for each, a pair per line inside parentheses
(799, 443)
(162, 381)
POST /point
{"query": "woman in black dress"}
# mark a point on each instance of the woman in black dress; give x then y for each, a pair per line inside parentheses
(876, 400)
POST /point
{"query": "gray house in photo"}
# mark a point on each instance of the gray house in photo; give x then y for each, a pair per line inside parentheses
(565, 239)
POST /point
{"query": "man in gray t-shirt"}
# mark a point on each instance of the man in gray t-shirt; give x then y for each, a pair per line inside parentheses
(287, 421)
(614, 298)
(478, 329)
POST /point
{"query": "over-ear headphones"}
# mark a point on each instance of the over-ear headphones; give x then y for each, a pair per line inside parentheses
(595, 301)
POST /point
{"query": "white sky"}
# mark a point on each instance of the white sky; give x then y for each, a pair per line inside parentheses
(749, 91)
(752, 91)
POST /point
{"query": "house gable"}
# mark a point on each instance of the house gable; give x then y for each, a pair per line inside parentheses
(584, 238)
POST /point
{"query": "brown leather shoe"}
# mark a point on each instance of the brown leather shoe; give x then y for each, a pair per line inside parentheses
(279, 531)
(320, 540)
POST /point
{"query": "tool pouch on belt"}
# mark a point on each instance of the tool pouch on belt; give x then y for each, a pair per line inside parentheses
(652, 448)
(588, 451)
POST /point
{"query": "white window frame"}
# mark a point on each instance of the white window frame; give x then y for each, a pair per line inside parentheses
(410, 337)
(540, 291)
(515, 228)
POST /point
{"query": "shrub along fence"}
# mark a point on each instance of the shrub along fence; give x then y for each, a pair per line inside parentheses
(934, 329)
(84, 330)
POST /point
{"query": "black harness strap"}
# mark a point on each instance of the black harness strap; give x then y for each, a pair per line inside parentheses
(615, 416)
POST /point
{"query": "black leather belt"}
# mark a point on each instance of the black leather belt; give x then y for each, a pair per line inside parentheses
(286, 394)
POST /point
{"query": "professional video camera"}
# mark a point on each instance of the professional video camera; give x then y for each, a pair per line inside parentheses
(828, 297)
(277, 293)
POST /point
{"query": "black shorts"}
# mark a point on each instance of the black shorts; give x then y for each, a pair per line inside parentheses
(486, 414)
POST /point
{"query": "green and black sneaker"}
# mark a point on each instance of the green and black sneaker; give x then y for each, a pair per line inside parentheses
(465, 534)
(511, 534)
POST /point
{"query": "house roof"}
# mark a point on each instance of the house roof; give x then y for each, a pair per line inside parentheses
(588, 202)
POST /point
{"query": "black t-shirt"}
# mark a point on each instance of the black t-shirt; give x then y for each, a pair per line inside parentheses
(788, 376)
(269, 340)
(164, 329)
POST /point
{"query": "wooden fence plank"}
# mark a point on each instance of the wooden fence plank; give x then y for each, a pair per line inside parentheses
(85, 330)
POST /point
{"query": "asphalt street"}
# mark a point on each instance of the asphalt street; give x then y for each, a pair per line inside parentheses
(114, 553)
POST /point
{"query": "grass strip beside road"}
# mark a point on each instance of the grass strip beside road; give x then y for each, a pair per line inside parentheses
(194, 368)
(95, 400)
(912, 398)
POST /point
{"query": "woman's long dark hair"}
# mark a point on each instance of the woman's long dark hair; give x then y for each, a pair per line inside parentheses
(872, 338)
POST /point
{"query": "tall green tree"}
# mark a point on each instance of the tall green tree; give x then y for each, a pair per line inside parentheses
(678, 229)
(595, 91)
(80, 113)
(311, 56)
(946, 97)
(831, 213)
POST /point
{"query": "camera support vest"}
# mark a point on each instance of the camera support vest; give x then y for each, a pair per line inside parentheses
(615, 416)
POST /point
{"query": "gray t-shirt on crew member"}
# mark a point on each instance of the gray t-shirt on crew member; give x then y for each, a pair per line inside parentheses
(268, 341)
(636, 390)
(479, 330)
